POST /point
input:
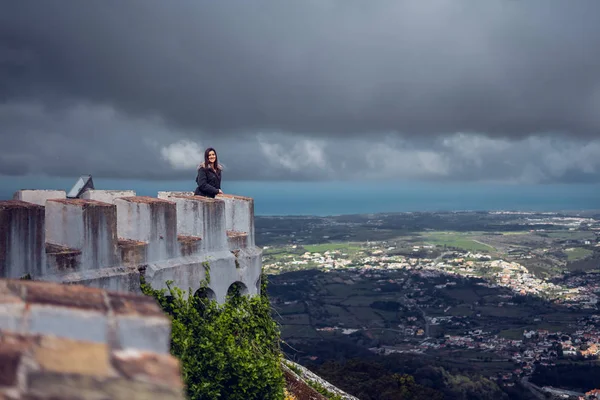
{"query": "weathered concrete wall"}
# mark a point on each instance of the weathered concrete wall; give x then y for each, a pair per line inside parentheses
(239, 215)
(86, 225)
(107, 196)
(201, 217)
(150, 220)
(109, 244)
(225, 269)
(39, 197)
(69, 341)
(22, 239)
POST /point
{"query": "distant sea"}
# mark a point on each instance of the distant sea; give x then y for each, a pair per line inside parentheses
(338, 198)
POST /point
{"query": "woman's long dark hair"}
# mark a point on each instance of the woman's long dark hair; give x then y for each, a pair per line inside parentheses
(216, 167)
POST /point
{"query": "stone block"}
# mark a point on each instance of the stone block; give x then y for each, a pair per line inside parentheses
(39, 197)
(131, 304)
(12, 306)
(106, 196)
(61, 259)
(57, 354)
(119, 279)
(143, 333)
(50, 386)
(167, 195)
(86, 225)
(22, 249)
(76, 297)
(67, 322)
(189, 245)
(149, 220)
(237, 240)
(133, 252)
(239, 214)
(202, 217)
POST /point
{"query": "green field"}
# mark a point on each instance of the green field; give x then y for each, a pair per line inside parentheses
(577, 253)
(569, 235)
(455, 239)
(321, 248)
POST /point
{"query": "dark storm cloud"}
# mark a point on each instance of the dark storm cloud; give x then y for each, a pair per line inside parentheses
(496, 67)
(501, 90)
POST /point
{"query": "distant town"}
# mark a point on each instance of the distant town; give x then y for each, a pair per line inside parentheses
(513, 300)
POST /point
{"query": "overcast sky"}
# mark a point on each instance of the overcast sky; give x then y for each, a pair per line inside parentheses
(491, 91)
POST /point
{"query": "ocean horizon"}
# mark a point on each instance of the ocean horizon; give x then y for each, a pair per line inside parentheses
(341, 198)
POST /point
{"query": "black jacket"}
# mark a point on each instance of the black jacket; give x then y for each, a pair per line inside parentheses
(209, 182)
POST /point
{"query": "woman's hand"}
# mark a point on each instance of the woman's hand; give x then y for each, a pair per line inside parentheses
(220, 191)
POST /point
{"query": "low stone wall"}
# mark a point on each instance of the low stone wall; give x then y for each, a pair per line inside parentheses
(298, 381)
(108, 238)
(73, 342)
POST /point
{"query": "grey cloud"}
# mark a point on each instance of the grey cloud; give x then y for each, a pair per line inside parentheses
(502, 91)
(503, 68)
(107, 144)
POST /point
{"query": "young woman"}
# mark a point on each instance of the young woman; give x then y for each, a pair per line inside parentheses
(209, 175)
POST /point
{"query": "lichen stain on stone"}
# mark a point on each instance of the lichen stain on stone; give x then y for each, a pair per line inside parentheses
(82, 202)
(237, 240)
(189, 245)
(146, 200)
(100, 231)
(21, 238)
(66, 259)
(133, 252)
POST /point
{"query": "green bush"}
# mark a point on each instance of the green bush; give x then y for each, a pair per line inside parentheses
(228, 351)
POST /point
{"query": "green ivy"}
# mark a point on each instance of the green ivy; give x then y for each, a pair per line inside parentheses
(228, 351)
(206, 266)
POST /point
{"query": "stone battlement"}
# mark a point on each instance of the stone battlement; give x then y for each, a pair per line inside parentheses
(68, 341)
(107, 238)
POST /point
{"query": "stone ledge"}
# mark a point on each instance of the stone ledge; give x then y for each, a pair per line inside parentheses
(83, 313)
(73, 342)
(82, 202)
(144, 200)
(11, 204)
(49, 367)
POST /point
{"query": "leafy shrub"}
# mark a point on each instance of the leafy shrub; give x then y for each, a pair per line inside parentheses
(229, 351)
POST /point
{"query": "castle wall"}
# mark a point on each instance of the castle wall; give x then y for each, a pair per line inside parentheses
(109, 238)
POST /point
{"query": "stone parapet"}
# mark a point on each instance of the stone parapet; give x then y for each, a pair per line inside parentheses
(87, 226)
(39, 197)
(107, 196)
(68, 341)
(201, 217)
(239, 215)
(150, 220)
(22, 239)
(108, 244)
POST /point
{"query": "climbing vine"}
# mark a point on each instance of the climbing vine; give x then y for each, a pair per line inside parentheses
(228, 351)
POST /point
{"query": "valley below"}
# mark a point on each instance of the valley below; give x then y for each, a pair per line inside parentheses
(439, 305)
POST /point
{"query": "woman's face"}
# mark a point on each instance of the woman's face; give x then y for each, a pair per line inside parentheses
(212, 156)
